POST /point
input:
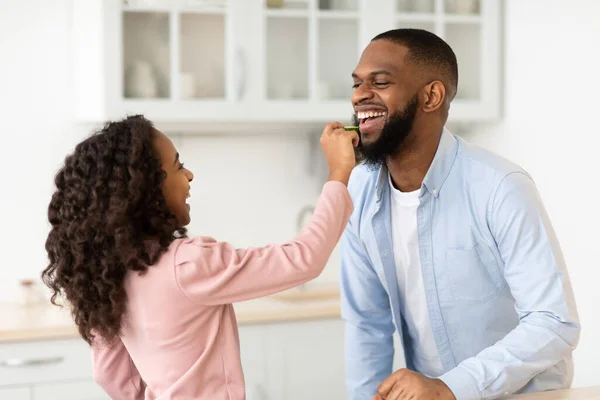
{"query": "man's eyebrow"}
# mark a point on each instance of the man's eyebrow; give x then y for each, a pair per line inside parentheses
(378, 72)
(381, 72)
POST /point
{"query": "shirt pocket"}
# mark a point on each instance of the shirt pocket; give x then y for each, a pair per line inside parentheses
(474, 273)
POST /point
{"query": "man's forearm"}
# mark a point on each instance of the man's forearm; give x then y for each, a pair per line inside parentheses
(369, 360)
(536, 344)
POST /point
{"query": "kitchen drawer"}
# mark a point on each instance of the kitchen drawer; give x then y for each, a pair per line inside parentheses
(15, 394)
(84, 390)
(44, 361)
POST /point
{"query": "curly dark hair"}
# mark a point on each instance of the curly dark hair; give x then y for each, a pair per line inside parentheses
(108, 216)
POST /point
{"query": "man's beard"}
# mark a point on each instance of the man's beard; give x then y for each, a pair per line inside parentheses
(392, 136)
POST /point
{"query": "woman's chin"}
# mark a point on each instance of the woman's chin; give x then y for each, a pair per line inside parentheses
(184, 219)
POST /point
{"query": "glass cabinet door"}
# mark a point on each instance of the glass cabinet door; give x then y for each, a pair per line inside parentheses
(174, 49)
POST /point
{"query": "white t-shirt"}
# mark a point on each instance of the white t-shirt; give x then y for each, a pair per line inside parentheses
(413, 302)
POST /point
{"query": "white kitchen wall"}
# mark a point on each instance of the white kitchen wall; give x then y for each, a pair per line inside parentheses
(35, 103)
(248, 190)
(550, 128)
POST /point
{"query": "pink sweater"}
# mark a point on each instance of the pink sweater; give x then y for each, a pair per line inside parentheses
(180, 337)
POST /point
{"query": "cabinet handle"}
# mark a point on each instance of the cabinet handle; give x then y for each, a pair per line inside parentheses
(22, 362)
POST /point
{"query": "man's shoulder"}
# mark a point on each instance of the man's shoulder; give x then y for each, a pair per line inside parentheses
(480, 161)
(363, 182)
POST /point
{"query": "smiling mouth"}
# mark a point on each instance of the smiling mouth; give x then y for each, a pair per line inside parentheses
(364, 116)
(370, 121)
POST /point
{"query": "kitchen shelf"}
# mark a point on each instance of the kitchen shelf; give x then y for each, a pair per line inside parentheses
(465, 40)
(415, 17)
(287, 47)
(286, 13)
(337, 56)
(168, 8)
(462, 19)
(338, 15)
(338, 5)
(416, 24)
(416, 6)
(290, 5)
(146, 8)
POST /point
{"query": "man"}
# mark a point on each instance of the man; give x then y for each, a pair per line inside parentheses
(449, 245)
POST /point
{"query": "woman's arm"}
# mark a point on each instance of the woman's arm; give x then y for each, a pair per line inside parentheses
(211, 272)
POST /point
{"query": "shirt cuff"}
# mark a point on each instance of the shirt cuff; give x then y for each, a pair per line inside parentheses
(461, 384)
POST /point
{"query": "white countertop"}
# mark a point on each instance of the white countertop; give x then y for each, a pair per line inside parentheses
(587, 393)
(46, 322)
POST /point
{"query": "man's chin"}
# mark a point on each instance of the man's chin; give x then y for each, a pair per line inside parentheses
(371, 137)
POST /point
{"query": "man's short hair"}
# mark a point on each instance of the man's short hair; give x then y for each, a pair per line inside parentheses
(426, 49)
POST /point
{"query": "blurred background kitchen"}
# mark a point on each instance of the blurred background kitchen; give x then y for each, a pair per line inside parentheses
(244, 88)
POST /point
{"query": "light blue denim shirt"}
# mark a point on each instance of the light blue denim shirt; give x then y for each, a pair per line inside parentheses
(500, 301)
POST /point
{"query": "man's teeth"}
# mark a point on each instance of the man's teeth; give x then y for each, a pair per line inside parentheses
(369, 114)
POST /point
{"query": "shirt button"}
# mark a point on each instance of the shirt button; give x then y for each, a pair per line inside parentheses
(385, 254)
(435, 192)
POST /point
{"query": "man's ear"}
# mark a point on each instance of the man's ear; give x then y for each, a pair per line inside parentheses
(434, 94)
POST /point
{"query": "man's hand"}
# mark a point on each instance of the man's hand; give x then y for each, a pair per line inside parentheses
(405, 384)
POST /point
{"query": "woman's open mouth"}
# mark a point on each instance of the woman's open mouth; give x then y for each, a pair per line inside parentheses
(371, 121)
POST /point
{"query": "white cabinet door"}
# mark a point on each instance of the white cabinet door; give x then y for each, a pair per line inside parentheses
(306, 360)
(166, 61)
(253, 341)
(83, 390)
(15, 394)
(35, 362)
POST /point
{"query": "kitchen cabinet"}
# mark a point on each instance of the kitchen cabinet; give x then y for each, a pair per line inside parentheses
(294, 360)
(15, 393)
(77, 390)
(27, 363)
(306, 360)
(217, 66)
(297, 360)
(253, 342)
(48, 369)
(291, 360)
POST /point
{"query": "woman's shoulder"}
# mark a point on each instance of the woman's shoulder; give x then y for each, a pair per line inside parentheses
(187, 249)
(195, 241)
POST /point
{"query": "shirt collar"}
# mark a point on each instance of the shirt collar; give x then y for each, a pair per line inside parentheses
(438, 171)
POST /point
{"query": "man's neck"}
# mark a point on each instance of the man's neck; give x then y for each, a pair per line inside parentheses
(409, 167)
